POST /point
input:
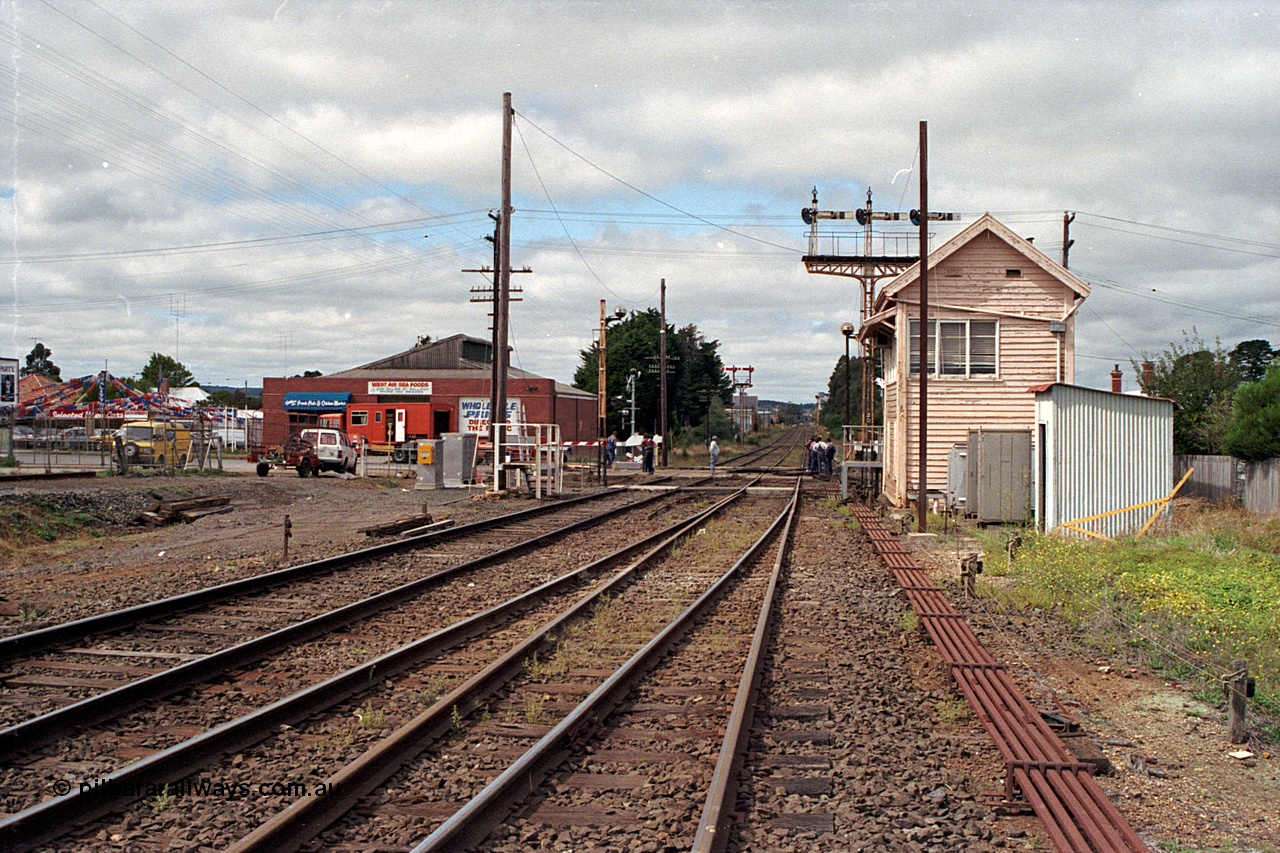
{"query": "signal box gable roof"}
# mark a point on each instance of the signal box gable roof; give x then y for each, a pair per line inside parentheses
(983, 224)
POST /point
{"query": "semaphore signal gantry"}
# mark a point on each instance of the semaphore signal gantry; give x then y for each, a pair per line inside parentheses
(868, 255)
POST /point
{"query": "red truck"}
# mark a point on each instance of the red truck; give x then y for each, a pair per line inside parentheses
(391, 427)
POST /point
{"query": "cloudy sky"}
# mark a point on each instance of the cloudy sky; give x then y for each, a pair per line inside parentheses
(262, 187)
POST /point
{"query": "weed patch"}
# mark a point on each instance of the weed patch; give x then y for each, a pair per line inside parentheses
(1193, 601)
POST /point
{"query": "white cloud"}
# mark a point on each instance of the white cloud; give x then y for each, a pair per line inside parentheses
(300, 118)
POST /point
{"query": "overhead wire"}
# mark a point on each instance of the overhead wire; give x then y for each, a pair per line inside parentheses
(1176, 301)
(652, 197)
(57, 115)
(1189, 242)
(310, 143)
(572, 242)
(257, 242)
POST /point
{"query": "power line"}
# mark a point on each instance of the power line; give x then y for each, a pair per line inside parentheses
(1179, 302)
(1180, 230)
(654, 198)
(402, 225)
(1187, 242)
(551, 202)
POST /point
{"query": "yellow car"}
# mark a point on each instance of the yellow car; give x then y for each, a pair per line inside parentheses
(155, 443)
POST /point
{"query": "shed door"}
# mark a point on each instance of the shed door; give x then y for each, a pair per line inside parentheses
(399, 425)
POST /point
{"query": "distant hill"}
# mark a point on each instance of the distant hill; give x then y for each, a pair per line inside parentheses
(253, 392)
(773, 404)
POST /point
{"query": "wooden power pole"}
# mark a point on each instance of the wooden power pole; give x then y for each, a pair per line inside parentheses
(498, 414)
(922, 504)
(662, 368)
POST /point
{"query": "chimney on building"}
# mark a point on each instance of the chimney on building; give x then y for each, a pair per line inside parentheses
(1148, 375)
(1115, 380)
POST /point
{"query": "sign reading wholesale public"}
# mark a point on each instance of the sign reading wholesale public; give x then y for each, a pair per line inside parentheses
(473, 413)
(401, 387)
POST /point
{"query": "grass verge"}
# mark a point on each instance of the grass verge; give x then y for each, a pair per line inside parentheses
(1192, 600)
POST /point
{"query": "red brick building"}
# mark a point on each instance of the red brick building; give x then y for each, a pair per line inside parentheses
(454, 375)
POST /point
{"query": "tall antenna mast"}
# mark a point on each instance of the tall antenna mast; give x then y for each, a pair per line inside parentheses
(177, 310)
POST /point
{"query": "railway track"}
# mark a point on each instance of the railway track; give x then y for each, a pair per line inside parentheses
(240, 677)
(172, 764)
(712, 684)
(73, 673)
(772, 457)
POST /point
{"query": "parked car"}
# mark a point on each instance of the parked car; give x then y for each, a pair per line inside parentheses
(23, 436)
(75, 438)
(156, 442)
(333, 449)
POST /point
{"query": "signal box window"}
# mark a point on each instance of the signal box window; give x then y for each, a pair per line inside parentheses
(967, 348)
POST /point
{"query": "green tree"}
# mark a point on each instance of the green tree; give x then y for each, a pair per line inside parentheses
(718, 422)
(694, 370)
(164, 367)
(1254, 431)
(1250, 359)
(833, 410)
(422, 341)
(38, 362)
(1201, 381)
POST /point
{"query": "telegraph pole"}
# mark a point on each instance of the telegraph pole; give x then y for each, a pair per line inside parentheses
(662, 369)
(493, 360)
(922, 508)
(602, 408)
(1067, 218)
(498, 412)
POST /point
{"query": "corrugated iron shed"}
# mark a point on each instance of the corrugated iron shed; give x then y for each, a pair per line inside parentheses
(1096, 452)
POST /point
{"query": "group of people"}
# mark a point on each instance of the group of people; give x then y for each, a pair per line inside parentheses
(820, 455)
(648, 446)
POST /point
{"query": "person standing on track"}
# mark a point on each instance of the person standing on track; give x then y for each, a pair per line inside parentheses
(714, 449)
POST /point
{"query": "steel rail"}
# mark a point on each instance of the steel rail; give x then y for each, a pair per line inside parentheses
(793, 434)
(1076, 813)
(43, 638)
(712, 835)
(478, 817)
(307, 817)
(52, 818)
(35, 731)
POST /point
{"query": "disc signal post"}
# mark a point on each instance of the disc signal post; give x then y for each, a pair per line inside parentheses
(741, 379)
(870, 256)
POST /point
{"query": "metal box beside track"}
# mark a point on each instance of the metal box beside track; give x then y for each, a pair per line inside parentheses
(998, 476)
(459, 455)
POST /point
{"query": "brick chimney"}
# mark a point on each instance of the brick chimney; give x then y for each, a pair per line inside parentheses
(1148, 375)
(1115, 380)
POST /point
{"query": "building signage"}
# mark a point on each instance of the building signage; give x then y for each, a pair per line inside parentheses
(316, 401)
(8, 383)
(473, 413)
(401, 387)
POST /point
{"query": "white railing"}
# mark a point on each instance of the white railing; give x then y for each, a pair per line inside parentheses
(532, 452)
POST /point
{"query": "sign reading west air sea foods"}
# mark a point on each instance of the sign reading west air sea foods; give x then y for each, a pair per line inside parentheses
(401, 387)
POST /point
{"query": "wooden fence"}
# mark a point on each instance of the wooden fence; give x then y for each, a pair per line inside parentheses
(1224, 480)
